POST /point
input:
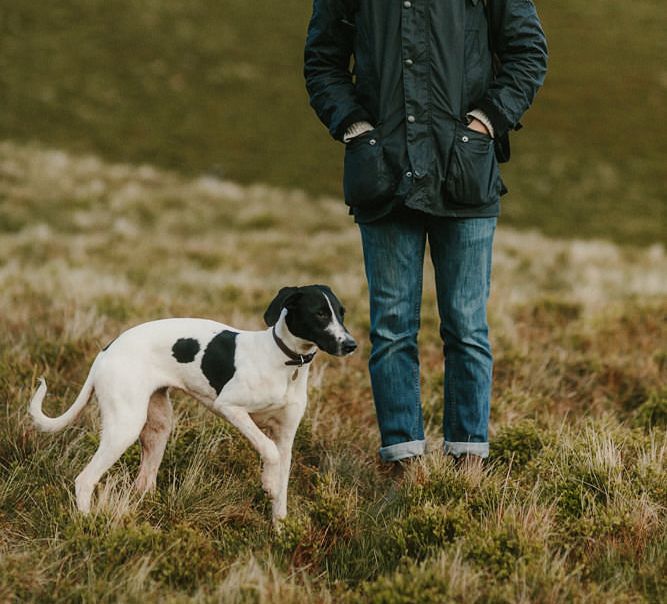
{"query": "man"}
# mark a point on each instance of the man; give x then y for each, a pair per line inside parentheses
(419, 113)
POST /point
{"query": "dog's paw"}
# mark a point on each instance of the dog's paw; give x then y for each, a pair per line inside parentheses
(144, 484)
(278, 523)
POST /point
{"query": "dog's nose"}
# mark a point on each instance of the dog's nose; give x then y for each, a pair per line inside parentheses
(349, 346)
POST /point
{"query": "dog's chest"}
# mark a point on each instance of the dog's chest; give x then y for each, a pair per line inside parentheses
(262, 391)
(239, 368)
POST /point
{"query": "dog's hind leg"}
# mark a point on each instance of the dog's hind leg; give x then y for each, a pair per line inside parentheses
(153, 439)
(121, 426)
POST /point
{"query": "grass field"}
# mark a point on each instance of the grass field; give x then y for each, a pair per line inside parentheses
(216, 87)
(571, 509)
(132, 138)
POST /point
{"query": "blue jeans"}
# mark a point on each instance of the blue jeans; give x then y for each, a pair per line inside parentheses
(461, 251)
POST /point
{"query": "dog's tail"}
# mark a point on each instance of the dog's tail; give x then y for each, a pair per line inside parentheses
(54, 424)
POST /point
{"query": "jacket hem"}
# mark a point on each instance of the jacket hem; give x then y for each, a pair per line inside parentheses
(490, 211)
(366, 217)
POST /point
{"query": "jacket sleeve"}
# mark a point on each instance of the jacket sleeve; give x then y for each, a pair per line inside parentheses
(329, 46)
(522, 49)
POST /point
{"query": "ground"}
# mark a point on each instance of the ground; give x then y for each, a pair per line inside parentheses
(571, 506)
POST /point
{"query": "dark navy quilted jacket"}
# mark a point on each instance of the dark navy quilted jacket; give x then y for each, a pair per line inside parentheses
(417, 68)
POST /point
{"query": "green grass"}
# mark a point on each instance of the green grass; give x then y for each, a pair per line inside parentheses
(206, 87)
(571, 507)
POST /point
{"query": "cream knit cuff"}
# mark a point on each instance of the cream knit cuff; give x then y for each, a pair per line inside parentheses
(355, 130)
(478, 114)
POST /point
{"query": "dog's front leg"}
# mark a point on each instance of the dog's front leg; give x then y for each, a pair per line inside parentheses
(284, 433)
(267, 449)
(284, 440)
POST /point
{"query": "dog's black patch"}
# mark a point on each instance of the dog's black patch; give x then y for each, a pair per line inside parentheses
(185, 350)
(217, 364)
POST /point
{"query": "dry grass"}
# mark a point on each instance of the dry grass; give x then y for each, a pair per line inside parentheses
(571, 509)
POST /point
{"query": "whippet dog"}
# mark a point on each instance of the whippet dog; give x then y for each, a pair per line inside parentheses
(241, 375)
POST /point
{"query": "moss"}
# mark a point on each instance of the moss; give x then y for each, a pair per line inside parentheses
(653, 411)
(232, 539)
(425, 529)
(517, 443)
(91, 538)
(438, 483)
(331, 505)
(189, 559)
(411, 583)
(181, 556)
(292, 531)
(486, 499)
(652, 479)
(500, 550)
(303, 543)
(573, 492)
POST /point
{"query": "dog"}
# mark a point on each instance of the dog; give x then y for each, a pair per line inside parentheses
(244, 376)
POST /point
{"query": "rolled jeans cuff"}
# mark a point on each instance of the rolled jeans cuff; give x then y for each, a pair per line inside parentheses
(458, 449)
(403, 450)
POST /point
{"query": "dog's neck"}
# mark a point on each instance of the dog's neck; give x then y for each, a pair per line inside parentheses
(295, 344)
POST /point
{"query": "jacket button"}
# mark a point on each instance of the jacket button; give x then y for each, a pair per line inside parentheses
(409, 62)
(407, 4)
(408, 174)
(412, 119)
(465, 139)
(372, 141)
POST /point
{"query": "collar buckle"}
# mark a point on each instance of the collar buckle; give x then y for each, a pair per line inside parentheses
(295, 358)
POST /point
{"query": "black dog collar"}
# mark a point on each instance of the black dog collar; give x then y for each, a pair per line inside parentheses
(296, 359)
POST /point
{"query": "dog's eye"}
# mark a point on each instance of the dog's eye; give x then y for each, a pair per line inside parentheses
(322, 314)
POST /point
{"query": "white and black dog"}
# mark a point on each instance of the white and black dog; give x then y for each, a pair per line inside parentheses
(241, 375)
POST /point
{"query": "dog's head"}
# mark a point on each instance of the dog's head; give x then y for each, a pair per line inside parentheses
(315, 314)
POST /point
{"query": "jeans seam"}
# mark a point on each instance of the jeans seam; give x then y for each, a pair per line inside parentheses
(417, 313)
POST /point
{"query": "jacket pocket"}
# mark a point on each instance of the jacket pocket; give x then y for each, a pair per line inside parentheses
(473, 178)
(367, 179)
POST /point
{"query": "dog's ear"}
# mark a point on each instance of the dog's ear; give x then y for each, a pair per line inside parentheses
(285, 297)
